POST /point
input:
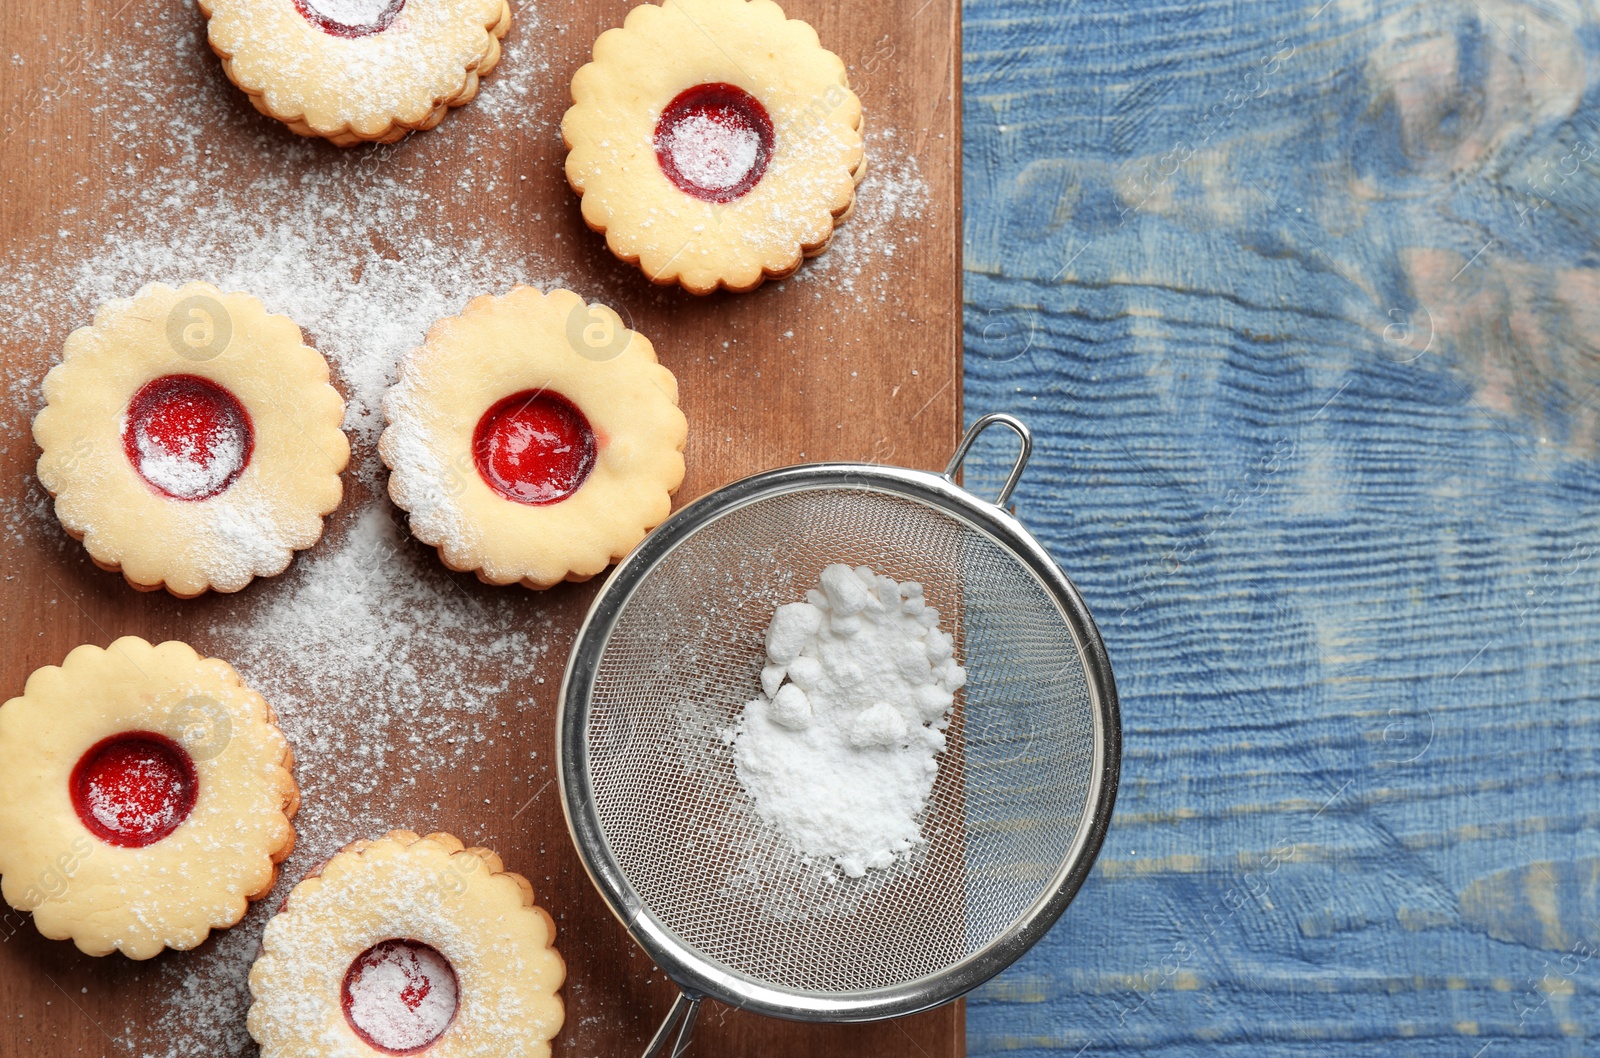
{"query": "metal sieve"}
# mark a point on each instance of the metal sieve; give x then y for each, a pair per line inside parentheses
(671, 651)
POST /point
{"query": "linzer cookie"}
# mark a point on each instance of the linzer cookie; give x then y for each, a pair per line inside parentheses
(533, 439)
(714, 142)
(145, 798)
(191, 440)
(357, 70)
(407, 945)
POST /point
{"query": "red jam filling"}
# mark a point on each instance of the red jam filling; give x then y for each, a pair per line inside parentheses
(399, 996)
(133, 789)
(534, 447)
(188, 438)
(714, 141)
(349, 18)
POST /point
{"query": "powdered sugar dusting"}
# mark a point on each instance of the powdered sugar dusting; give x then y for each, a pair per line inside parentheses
(429, 487)
(342, 242)
(135, 792)
(249, 542)
(890, 203)
(710, 153)
(401, 995)
(115, 810)
(349, 12)
(190, 467)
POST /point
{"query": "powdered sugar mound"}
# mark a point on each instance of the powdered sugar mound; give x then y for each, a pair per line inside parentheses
(839, 751)
(712, 154)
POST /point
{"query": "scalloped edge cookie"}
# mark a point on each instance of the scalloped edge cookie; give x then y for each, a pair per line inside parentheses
(807, 189)
(503, 345)
(428, 60)
(460, 901)
(277, 504)
(200, 877)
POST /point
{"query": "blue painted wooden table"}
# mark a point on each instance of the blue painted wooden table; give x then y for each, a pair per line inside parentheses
(1304, 305)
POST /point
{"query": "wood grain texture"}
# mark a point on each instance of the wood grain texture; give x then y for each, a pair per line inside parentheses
(1300, 299)
(855, 358)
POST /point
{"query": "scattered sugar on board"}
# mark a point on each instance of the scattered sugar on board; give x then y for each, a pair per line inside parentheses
(839, 752)
(890, 202)
(377, 660)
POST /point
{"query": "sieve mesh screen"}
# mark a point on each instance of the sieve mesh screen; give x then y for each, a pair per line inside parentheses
(685, 655)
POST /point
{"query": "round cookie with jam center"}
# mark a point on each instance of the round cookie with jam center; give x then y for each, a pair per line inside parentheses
(354, 71)
(145, 798)
(408, 945)
(715, 142)
(191, 439)
(533, 438)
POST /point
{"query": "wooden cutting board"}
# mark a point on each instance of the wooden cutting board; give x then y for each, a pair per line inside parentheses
(119, 130)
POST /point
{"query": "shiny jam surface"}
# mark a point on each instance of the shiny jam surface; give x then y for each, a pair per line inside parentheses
(714, 141)
(135, 788)
(400, 995)
(534, 447)
(187, 437)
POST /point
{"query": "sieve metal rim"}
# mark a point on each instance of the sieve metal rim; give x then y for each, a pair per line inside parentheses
(697, 975)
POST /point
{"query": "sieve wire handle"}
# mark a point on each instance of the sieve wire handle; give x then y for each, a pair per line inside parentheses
(1018, 427)
(685, 1008)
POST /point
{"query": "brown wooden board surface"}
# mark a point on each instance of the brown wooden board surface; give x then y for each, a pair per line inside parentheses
(126, 153)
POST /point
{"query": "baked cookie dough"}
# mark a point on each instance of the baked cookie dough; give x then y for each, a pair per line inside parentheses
(533, 438)
(145, 798)
(191, 440)
(403, 945)
(352, 71)
(715, 142)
